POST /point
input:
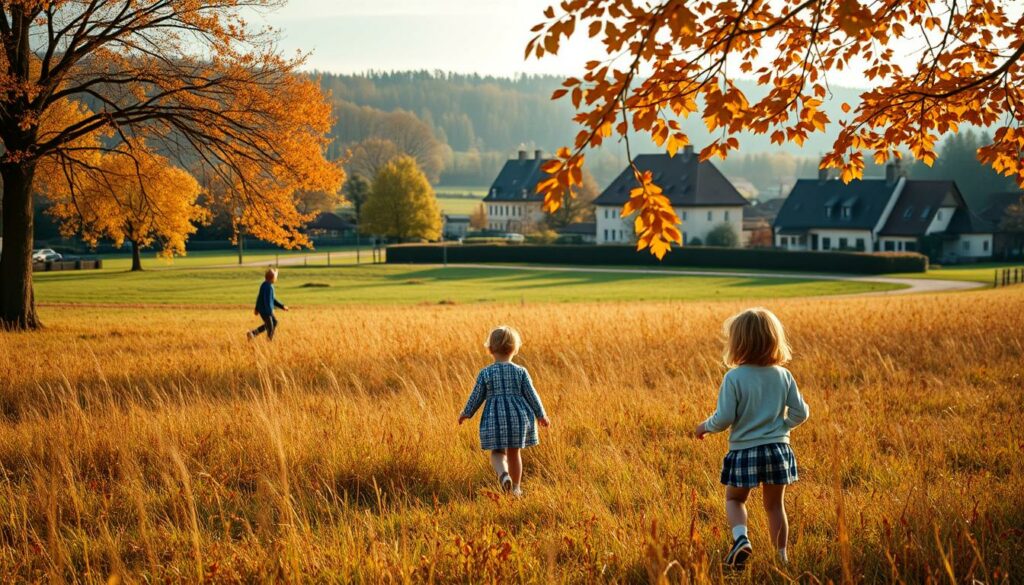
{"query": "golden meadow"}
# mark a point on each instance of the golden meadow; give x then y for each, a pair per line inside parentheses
(156, 445)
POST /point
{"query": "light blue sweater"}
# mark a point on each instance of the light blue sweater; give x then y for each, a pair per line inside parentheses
(760, 404)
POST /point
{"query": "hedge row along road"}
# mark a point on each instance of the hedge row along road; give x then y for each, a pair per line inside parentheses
(911, 285)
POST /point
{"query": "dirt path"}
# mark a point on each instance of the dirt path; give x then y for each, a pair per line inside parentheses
(911, 285)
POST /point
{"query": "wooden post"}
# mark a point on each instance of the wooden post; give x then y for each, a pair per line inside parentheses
(328, 258)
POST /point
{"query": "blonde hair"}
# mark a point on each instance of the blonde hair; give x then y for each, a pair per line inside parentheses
(270, 275)
(756, 337)
(504, 340)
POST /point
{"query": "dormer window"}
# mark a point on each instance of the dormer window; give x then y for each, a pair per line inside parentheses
(847, 212)
(828, 211)
(909, 213)
(927, 211)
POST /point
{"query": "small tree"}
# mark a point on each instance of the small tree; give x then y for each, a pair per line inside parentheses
(357, 189)
(135, 196)
(723, 236)
(478, 218)
(402, 204)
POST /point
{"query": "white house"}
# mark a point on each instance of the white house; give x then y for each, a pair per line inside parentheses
(894, 214)
(512, 202)
(701, 196)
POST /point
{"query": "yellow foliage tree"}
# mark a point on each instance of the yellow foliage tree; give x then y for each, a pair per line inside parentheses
(935, 64)
(191, 80)
(402, 203)
(135, 196)
(478, 217)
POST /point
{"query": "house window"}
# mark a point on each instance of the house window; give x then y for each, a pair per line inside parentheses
(860, 244)
(939, 215)
(908, 213)
(926, 212)
(967, 245)
(899, 246)
(783, 241)
(890, 246)
(843, 243)
(684, 216)
(984, 246)
(828, 211)
(606, 235)
(910, 246)
(727, 216)
(684, 238)
(847, 212)
(711, 215)
(826, 243)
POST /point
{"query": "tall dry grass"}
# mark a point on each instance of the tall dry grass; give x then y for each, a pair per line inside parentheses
(157, 445)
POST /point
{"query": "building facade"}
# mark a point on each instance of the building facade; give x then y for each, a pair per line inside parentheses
(512, 202)
(894, 214)
(701, 196)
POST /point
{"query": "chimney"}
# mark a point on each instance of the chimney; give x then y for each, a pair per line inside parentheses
(522, 155)
(893, 172)
(687, 151)
(538, 154)
(823, 174)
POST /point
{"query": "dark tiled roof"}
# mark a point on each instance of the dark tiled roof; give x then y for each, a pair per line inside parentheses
(918, 203)
(966, 222)
(330, 221)
(518, 180)
(995, 205)
(582, 228)
(454, 217)
(805, 208)
(764, 210)
(683, 178)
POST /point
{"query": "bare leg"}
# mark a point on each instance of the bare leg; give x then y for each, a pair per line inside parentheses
(499, 463)
(515, 466)
(775, 508)
(736, 505)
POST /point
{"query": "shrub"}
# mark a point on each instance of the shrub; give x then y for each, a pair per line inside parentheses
(723, 236)
(841, 262)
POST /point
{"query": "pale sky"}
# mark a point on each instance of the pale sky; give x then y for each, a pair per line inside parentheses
(466, 36)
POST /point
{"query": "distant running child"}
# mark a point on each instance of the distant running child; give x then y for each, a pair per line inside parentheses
(265, 304)
(760, 402)
(511, 409)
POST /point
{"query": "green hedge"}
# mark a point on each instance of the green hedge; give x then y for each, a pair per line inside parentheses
(846, 262)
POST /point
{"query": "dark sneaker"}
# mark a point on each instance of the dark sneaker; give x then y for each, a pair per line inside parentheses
(741, 551)
(506, 482)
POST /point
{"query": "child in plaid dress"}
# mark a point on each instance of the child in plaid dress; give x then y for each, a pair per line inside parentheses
(511, 409)
(760, 402)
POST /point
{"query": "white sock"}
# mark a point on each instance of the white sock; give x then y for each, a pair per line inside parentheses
(738, 531)
(783, 556)
(499, 463)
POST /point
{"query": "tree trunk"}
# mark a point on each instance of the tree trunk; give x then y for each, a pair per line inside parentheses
(136, 258)
(17, 302)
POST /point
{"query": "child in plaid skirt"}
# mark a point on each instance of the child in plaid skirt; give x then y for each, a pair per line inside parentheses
(760, 402)
(511, 409)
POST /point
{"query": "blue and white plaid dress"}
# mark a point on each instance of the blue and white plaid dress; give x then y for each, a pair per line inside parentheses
(511, 407)
(773, 464)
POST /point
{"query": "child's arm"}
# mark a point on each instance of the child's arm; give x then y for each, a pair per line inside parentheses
(476, 398)
(725, 412)
(533, 399)
(280, 305)
(797, 410)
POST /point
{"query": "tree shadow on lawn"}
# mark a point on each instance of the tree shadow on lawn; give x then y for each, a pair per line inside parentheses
(528, 279)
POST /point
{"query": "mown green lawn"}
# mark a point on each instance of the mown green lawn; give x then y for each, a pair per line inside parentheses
(415, 284)
(982, 272)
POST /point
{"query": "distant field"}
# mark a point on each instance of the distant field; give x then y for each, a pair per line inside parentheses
(971, 272)
(453, 199)
(406, 284)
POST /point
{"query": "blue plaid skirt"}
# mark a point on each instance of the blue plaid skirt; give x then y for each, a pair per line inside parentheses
(748, 468)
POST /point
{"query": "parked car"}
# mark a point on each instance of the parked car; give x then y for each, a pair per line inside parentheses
(46, 255)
